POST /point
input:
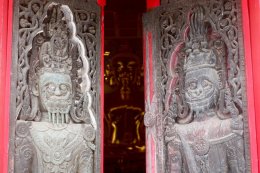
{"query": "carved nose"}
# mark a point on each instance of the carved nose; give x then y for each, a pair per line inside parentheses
(199, 91)
(57, 91)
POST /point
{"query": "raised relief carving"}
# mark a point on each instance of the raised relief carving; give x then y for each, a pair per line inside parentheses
(198, 119)
(204, 137)
(56, 124)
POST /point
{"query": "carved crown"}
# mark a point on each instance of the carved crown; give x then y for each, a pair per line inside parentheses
(55, 20)
(55, 54)
(198, 53)
(199, 59)
(55, 63)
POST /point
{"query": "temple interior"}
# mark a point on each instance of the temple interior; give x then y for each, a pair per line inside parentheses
(124, 89)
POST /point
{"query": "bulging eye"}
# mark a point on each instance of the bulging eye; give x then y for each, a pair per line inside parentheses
(63, 87)
(206, 83)
(51, 87)
(192, 85)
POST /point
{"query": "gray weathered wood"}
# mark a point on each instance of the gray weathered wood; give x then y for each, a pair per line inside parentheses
(55, 101)
(196, 114)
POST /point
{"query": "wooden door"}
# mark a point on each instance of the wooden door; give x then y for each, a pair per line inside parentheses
(55, 111)
(196, 106)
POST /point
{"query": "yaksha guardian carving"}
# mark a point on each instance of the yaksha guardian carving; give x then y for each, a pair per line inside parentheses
(58, 132)
(204, 129)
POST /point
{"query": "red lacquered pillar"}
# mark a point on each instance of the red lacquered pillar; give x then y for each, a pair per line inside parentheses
(150, 4)
(5, 64)
(247, 14)
(147, 49)
(254, 23)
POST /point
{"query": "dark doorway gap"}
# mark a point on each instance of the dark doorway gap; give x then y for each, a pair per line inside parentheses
(124, 135)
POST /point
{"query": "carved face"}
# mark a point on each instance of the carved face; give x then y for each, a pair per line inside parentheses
(55, 92)
(201, 88)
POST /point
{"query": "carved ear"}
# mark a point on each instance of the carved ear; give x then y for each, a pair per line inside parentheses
(35, 89)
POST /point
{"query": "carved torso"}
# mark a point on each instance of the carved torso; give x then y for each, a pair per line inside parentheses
(212, 129)
(206, 146)
(58, 148)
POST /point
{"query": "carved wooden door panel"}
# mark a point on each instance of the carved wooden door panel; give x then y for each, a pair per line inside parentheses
(56, 79)
(196, 114)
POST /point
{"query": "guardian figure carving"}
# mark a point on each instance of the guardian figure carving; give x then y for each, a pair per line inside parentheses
(56, 131)
(204, 130)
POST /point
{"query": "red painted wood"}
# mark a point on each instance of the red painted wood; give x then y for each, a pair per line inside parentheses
(254, 16)
(101, 3)
(150, 51)
(149, 92)
(250, 87)
(5, 64)
(148, 68)
(152, 143)
(150, 4)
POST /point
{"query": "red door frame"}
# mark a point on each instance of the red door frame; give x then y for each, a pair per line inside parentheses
(249, 16)
(5, 65)
(251, 27)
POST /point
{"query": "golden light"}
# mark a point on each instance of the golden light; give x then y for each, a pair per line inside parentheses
(107, 53)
